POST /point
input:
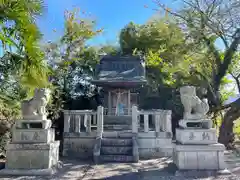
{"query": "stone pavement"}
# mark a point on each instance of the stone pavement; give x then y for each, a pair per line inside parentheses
(155, 169)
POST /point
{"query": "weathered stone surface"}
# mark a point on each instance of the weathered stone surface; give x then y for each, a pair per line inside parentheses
(40, 146)
(199, 157)
(149, 153)
(32, 123)
(116, 150)
(194, 107)
(116, 142)
(196, 136)
(35, 108)
(28, 172)
(78, 147)
(116, 158)
(30, 156)
(201, 123)
(154, 142)
(33, 136)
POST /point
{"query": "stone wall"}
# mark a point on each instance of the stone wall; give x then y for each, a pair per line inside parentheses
(152, 145)
(79, 145)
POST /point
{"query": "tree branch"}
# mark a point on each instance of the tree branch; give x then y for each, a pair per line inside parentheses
(228, 58)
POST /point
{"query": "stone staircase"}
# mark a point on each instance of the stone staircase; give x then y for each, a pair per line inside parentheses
(116, 149)
(117, 144)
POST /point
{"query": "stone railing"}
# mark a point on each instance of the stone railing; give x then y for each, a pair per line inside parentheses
(161, 120)
(88, 119)
(112, 111)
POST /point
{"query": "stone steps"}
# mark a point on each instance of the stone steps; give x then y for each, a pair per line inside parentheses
(116, 158)
(117, 127)
(116, 150)
(115, 147)
(116, 142)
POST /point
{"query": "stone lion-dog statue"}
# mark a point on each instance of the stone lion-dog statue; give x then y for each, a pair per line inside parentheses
(36, 107)
(194, 107)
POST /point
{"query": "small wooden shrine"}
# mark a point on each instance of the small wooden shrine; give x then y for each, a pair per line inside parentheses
(121, 77)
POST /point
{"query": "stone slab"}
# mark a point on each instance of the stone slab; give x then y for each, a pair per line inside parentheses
(27, 172)
(33, 135)
(196, 136)
(31, 156)
(199, 157)
(195, 123)
(35, 117)
(39, 146)
(81, 148)
(32, 123)
(154, 143)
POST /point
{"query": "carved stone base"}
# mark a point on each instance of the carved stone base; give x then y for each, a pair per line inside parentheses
(32, 156)
(33, 135)
(202, 123)
(196, 136)
(199, 157)
(33, 124)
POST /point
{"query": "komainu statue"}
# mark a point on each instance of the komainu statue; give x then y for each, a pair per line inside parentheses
(35, 108)
(194, 107)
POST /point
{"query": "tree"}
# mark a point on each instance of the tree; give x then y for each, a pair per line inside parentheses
(71, 60)
(19, 36)
(205, 22)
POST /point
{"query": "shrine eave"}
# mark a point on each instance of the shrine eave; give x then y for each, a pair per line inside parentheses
(111, 83)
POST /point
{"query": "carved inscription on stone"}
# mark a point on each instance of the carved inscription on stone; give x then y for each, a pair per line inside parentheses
(205, 136)
(24, 137)
(28, 137)
(192, 136)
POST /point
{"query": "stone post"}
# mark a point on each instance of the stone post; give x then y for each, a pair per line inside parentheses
(168, 121)
(99, 121)
(66, 121)
(134, 119)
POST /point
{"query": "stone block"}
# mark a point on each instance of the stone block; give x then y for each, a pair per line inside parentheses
(149, 153)
(33, 135)
(32, 156)
(78, 147)
(190, 123)
(154, 142)
(199, 157)
(35, 124)
(196, 136)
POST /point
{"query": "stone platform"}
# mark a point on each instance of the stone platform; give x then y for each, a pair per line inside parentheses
(199, 157)
(33, 151)
(196, 136)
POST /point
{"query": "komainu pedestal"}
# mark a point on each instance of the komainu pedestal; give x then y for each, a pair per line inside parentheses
(196, 147)
(33, 149)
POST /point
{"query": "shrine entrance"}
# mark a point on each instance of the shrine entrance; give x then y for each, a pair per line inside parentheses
(120, 102)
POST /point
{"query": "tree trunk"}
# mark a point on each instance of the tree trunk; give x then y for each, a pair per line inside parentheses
(226, 135)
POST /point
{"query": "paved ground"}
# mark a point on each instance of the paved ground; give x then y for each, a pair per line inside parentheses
(156, 169)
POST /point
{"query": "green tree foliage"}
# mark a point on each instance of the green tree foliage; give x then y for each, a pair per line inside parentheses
(71, 60)
(205, 22)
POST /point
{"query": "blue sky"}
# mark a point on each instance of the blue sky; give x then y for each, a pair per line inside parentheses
(112, 15)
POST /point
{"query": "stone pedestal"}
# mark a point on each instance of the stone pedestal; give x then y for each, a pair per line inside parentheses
(199, 157)
(197, 148)
(33, 150)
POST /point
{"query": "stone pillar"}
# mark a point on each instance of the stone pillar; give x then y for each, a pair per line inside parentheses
(109, 103)
(67, 117)
(134, 119)
(129, 102)
(99, 121)
(33, 149)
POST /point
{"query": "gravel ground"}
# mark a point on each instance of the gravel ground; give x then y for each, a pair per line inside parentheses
(155, 169)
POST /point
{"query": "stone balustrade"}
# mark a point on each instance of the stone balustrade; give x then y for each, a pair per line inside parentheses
(161, 120)
(74, 120)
